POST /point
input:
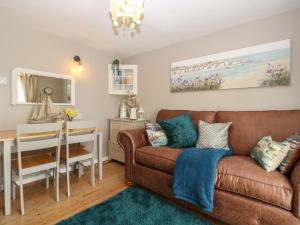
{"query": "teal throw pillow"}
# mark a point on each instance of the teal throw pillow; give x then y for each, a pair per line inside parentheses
(180, 131)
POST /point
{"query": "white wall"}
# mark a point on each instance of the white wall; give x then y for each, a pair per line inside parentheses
(154, 69)
(20, 47)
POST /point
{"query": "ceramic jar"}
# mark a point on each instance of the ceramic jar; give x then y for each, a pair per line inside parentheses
(141, 114)
(133, 113)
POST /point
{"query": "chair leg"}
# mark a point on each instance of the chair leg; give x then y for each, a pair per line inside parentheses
(68, 179)
(47, 179)
(79, 169)
(13, 185)
(21, 198)
(92, 172)
(13, 190)
(57, 184)
(53, 175)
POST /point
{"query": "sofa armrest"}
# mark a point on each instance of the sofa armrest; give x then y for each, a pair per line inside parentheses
(295, 181)
(130, 140)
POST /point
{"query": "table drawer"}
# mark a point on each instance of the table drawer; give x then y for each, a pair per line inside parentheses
(116, 152)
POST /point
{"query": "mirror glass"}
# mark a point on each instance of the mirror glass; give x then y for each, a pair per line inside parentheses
(33, 87)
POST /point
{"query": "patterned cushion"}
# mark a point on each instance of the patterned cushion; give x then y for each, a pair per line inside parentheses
(156, 135)
(180, 131)
(213, 135)
(293, 154)
(269, 154)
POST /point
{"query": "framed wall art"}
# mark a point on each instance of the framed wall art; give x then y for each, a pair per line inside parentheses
(265, 65)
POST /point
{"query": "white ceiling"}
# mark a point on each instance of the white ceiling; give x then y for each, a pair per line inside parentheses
(166, 21)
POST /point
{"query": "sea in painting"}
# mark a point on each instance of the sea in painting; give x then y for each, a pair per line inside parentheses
(260, 66)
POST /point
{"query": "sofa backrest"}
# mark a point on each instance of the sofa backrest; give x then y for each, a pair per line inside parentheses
(247, 127)
(207, 116)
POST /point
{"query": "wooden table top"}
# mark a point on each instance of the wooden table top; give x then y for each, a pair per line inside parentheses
(7, 135)
(11, 135)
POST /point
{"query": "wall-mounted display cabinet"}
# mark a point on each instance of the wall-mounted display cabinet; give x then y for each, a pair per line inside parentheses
(122, 81)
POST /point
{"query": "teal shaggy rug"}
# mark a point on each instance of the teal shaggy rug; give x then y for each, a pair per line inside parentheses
(135, 206)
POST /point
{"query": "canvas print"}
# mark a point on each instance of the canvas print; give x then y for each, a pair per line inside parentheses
(258, 66)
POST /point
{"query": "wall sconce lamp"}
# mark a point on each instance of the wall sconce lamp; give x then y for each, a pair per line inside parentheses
(77, 59)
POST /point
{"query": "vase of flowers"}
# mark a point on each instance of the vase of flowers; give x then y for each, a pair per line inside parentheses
(70, 113)
(132, 103)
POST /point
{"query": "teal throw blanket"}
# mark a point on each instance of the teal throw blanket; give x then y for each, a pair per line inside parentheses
(194, 176)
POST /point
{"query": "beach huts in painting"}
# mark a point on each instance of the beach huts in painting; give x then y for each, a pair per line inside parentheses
(258, 66)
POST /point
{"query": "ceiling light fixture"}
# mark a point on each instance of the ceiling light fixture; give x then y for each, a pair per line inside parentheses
(128, 13)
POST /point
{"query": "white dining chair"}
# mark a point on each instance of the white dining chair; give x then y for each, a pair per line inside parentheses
(35, 139)
(79, 132)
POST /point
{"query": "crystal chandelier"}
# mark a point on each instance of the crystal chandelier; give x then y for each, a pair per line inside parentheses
(128, 13)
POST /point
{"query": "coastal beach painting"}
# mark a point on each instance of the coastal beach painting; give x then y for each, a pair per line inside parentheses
(265, 65)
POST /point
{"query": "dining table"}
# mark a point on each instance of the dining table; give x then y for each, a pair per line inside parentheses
(8, 146)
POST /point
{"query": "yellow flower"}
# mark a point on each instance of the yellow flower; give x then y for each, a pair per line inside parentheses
(71, 113)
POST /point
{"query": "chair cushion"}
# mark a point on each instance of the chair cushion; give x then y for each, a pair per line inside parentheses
(32, 161)
(242, 175)
(161, 158)
(74, 152)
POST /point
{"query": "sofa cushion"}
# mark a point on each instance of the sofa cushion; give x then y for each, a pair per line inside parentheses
(249, 127)
(156, 134)
(237, 174)
(269, 154)
(207, 116)
(213, 135)
(161, 158)
(180, 131)
(242, 175)
(293, 154)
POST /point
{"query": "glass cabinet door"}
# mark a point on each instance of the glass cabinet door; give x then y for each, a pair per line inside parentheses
(124, 80)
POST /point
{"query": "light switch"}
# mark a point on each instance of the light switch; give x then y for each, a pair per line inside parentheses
(3, 80)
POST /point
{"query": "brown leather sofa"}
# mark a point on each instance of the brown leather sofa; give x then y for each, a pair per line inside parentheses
(244, 192)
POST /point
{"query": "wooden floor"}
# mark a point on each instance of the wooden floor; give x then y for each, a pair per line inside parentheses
(41, 208)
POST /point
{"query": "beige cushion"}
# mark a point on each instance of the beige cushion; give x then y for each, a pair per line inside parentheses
(213, 135)
(269, 154)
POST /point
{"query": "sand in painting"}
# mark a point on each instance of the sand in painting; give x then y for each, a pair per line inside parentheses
(252, 79)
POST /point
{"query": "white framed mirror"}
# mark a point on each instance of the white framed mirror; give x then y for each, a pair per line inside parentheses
(30, 86)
